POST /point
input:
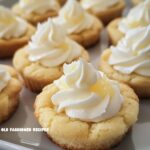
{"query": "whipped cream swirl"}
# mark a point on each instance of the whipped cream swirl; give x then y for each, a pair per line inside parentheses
(38, 6)
(51, 47)
(74, 17)
(4, 78)
(86, 94)
(11, 25)
(132, 54)
(98, 5)
(139, 16)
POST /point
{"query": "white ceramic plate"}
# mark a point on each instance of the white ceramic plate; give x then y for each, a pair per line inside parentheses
(137, 139)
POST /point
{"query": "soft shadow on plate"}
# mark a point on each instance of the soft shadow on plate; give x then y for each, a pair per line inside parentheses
(126, 143)
(53, 146)
(23, 117)
(96, 50)
(144, 115)
(14, 122)
(7, 3)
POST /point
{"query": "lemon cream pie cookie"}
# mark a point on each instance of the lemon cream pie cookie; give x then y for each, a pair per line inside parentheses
(105, 10)
(84, 110)
(138, 16)
(10, 88)
(129, 61)
(14, 32)
(36, 11)
(40, 62)
(81, 26)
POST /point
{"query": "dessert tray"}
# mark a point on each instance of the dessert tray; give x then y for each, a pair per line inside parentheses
(137, 139)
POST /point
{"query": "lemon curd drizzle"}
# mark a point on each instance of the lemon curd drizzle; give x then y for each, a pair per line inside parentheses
(102, 88)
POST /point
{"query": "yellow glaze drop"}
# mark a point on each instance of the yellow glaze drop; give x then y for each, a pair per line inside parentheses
(102, 88)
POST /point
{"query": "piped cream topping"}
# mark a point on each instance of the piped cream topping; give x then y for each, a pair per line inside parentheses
(51, 47)
(86, 94)
(74, 17)
(139, 16)
(132, 54)
(11, 26)
(38, 6)
(98, 5)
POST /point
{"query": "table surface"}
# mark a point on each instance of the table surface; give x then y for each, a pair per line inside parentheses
(137, 139)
